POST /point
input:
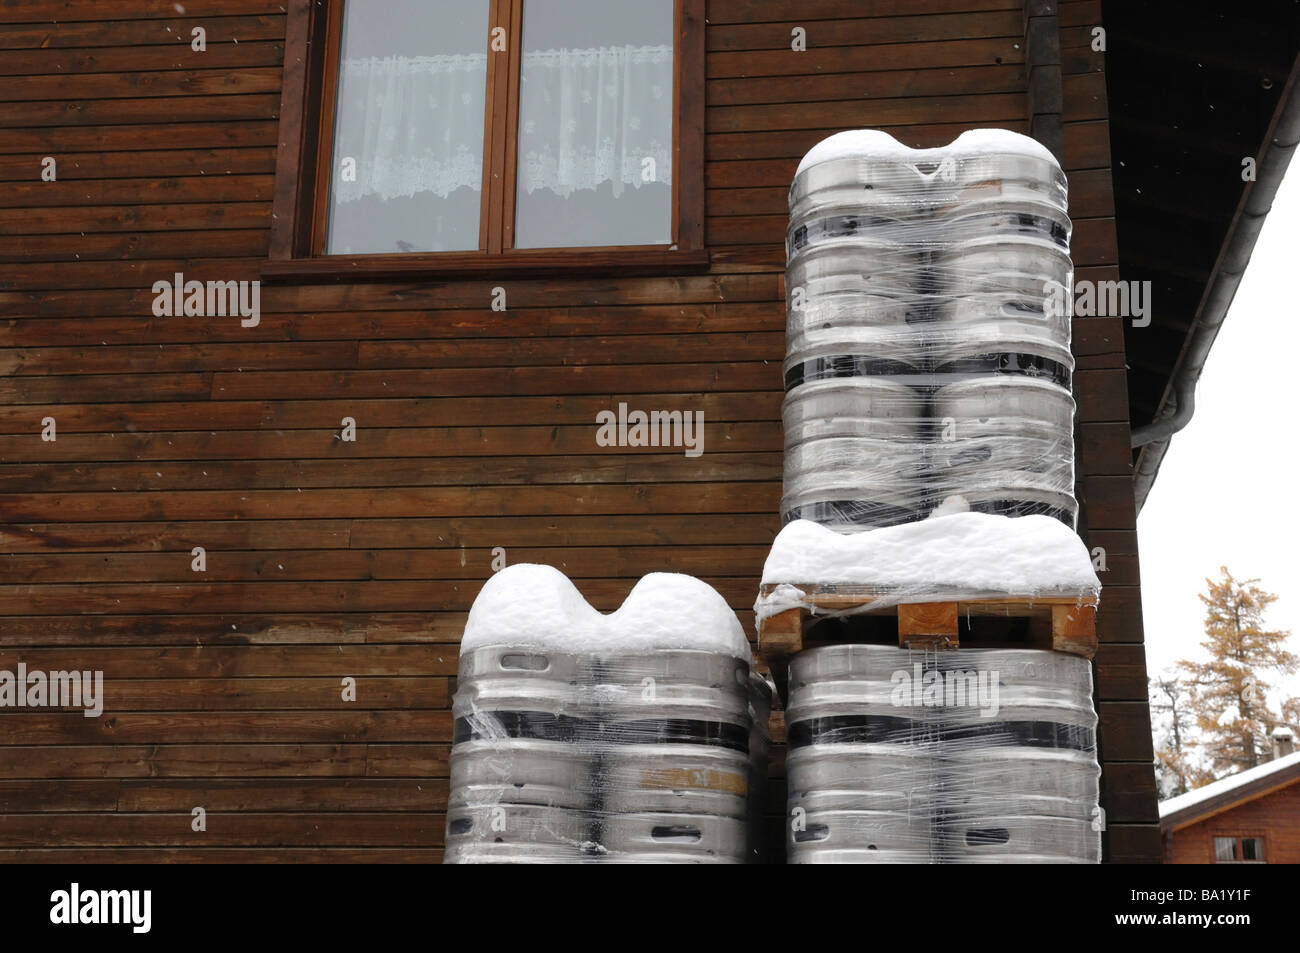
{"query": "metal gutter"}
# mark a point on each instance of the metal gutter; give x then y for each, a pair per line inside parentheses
(1257, 200)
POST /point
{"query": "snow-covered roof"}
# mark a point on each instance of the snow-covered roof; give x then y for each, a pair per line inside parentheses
(1176, 805)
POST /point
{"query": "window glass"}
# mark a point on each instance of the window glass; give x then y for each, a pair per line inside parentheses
(595, 124)
(1225, 848)
(1252, 848)
(409, 116)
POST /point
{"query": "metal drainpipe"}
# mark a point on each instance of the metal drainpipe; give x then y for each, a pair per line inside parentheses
(1154, 437)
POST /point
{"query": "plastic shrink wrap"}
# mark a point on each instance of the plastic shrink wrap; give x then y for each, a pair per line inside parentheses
(928, 335)
(637, 737)
(968, 756)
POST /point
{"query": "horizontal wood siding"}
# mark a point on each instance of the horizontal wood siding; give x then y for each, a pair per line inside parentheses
(328, 559)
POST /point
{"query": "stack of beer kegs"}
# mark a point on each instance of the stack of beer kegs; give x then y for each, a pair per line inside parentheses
(1001, 352)
(966, 756)
(855, 286)
(583, 758)
(927, 334)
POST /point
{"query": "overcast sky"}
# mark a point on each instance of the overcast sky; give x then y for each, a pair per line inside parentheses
(1227, 490)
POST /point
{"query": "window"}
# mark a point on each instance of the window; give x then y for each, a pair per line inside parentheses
(1239, 850)
(484, 135)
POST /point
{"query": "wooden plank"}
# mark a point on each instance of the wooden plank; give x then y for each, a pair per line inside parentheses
(53, 34)
(132, 85)
(679, 319)
(287, 829)
(969, 80)
(875, 112)
(413, 502)
(226, 761)
(273, 694)
(112, 59)
(1074, 630)
(233, 661)
(223, 855)
(150, 191)
(379, 533)
(42, 11)
(131, 218)
(232, 727)
(947, 53)
(294, 138)
(759, 11)
(462, 563)
(152, 164)
(277, 415)
(932, 625)
(47, 140)
(866, 32)
(119, 246)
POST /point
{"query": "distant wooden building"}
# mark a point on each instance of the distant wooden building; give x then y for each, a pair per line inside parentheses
(1249, 818)
(204, 529)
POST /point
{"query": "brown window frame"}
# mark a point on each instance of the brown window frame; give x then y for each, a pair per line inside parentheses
(1237, 847)
(304, 161)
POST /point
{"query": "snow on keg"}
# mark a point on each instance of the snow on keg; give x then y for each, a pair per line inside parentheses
(865, 173)
(854, 453)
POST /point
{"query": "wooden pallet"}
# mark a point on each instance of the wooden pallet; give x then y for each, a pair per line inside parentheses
(1064, 623)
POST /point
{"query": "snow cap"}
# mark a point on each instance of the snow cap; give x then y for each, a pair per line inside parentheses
(875, 144)
(972, 554)
(535, 605)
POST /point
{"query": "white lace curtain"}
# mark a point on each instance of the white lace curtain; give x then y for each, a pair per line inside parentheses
(414, 123)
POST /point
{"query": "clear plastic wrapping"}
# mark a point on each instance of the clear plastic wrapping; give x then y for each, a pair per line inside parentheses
(966, 756)
(655, 756)
(927, 349)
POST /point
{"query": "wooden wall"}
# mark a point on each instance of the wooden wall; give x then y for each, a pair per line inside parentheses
(328, 559)
(1275, 817)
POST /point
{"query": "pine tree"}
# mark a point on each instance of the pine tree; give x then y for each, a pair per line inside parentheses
(1228, 694)
(1177, 770)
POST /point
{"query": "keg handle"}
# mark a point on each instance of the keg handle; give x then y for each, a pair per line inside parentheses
(525, 662)
(676, 832)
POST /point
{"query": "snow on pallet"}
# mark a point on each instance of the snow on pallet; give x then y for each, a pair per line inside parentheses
(1064, 622)
(946, 581)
